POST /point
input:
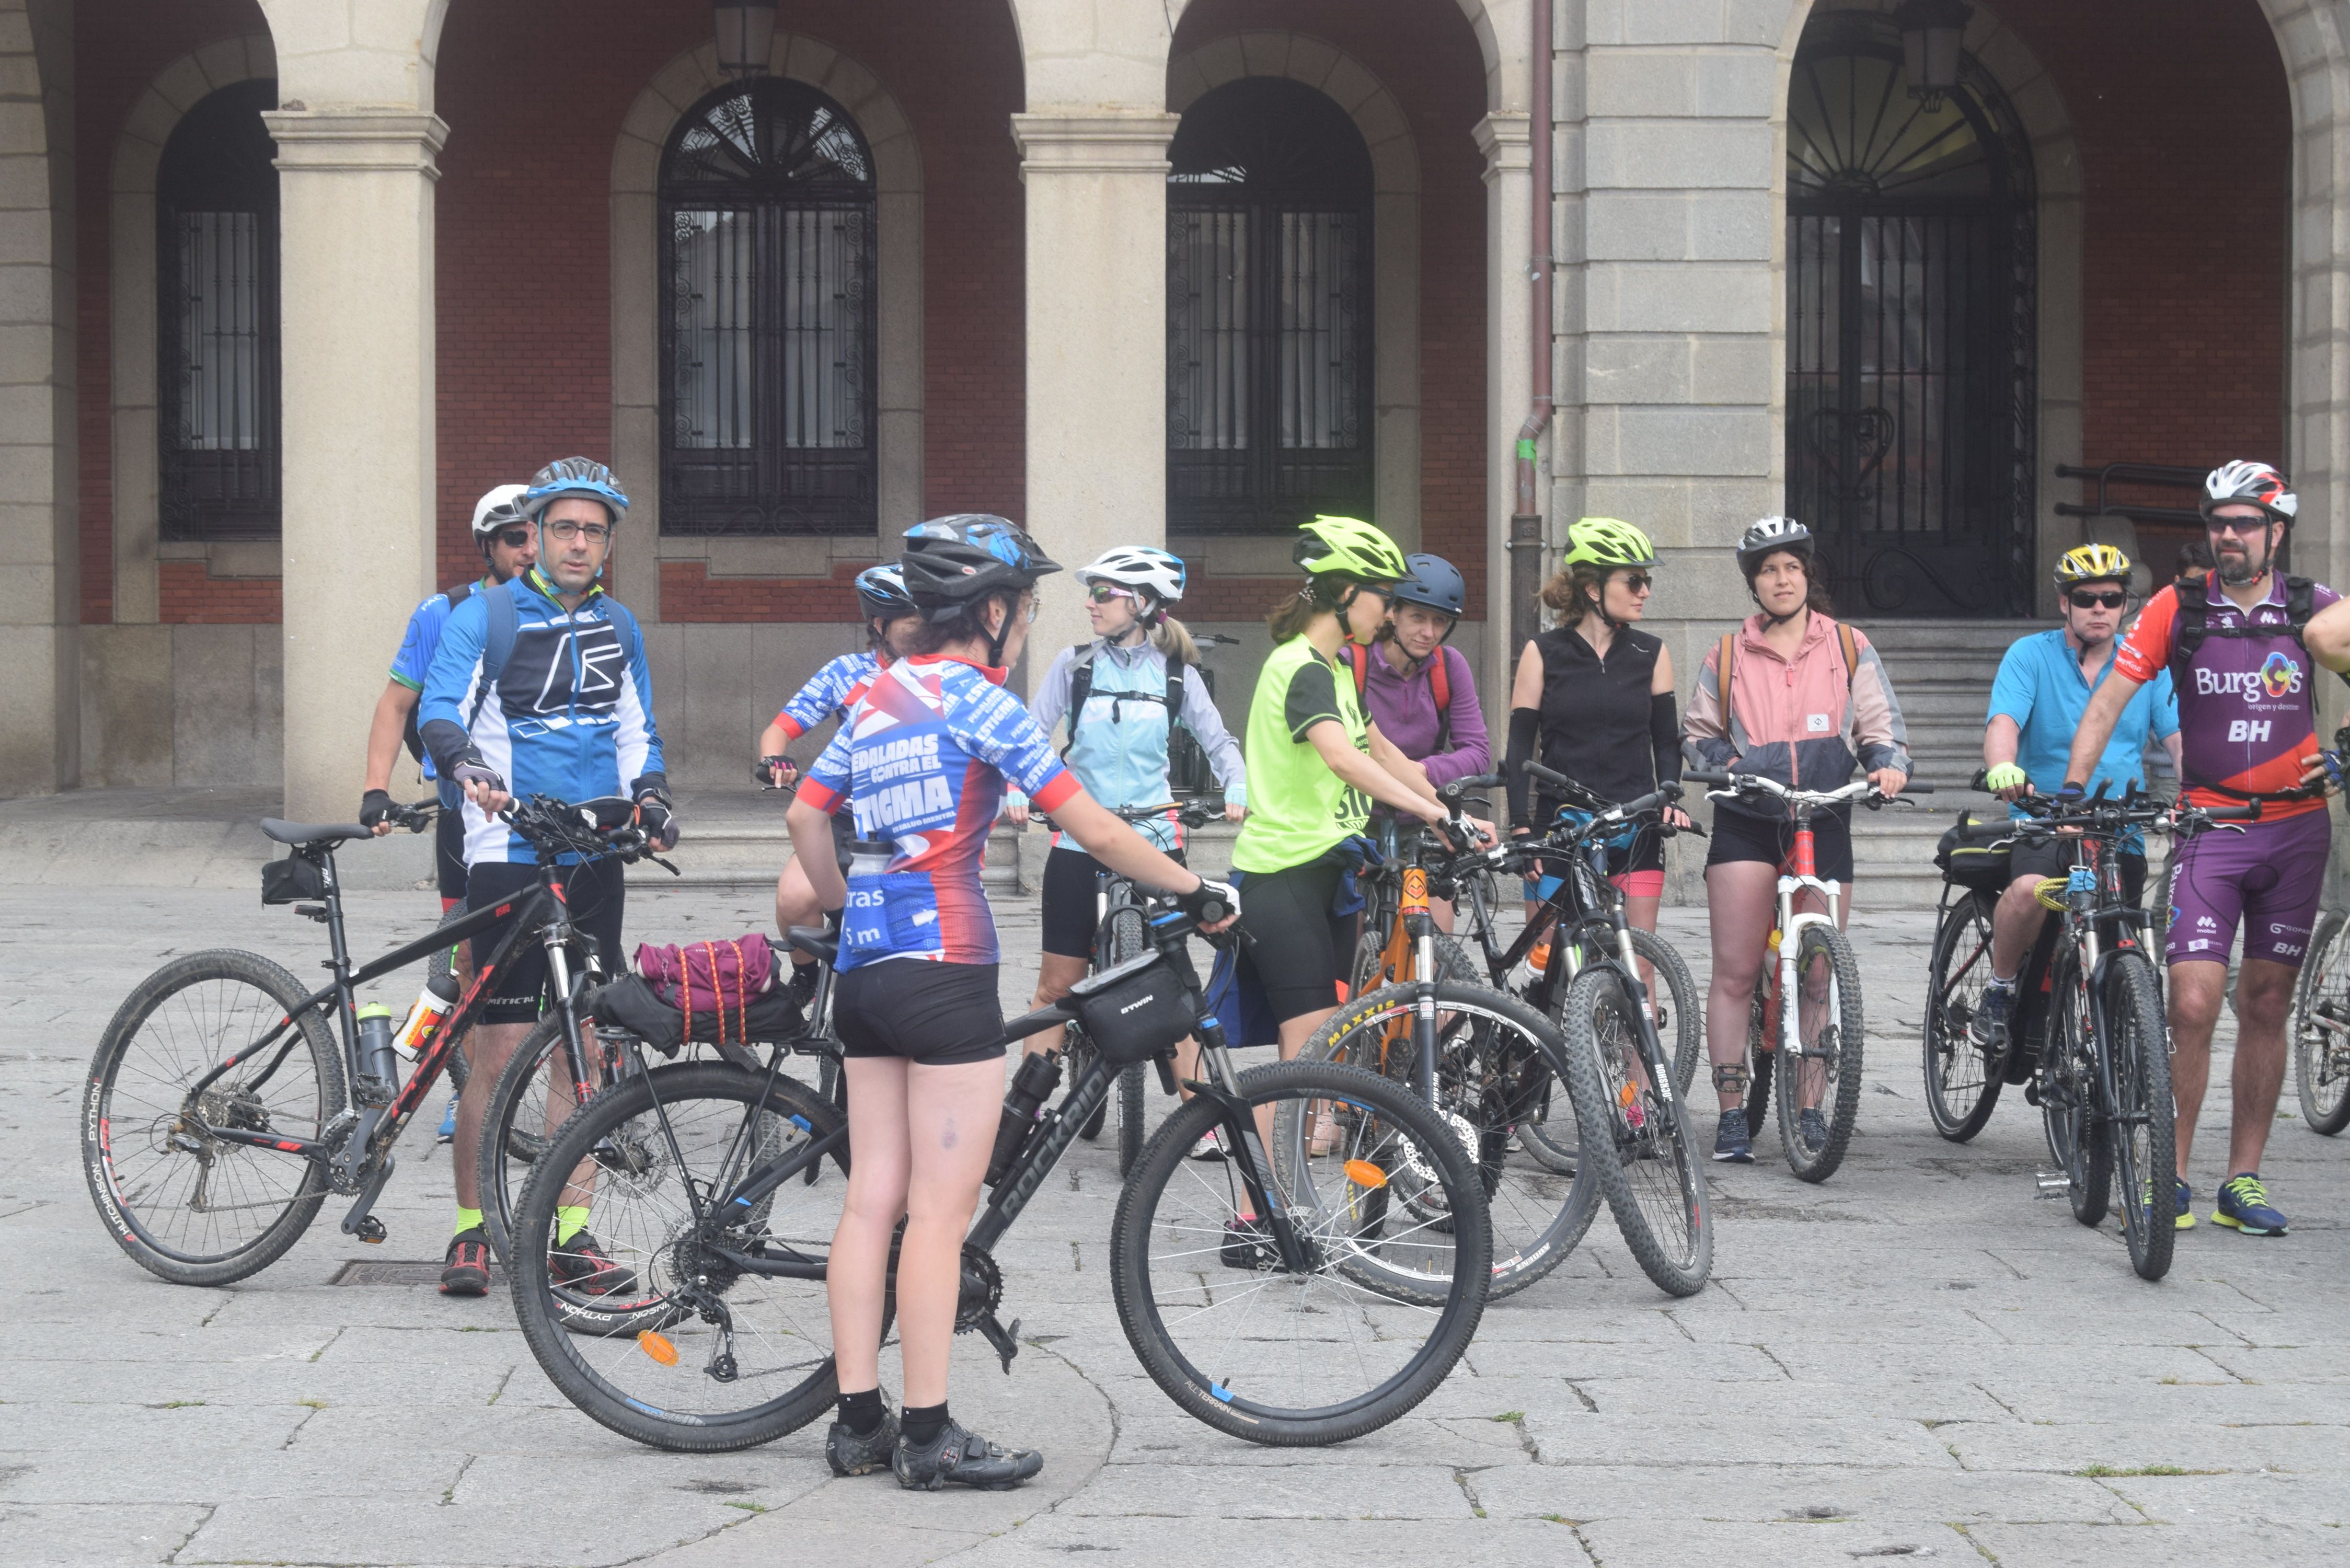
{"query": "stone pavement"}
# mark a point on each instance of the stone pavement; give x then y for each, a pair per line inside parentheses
(1918, 1359)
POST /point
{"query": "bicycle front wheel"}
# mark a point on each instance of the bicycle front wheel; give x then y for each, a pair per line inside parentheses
(2141, 1130)
(1390, 1215)
(189, 1207)
(1819, 1090)
(1961, 1083)
(1497, 1063)
(1681, 1030)
(1661, 1203)
(2068, 1092)
(2321, 1030)
(667, 1339)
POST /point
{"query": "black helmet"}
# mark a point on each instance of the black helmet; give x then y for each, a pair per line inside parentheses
(951, 562)
(1433, 583)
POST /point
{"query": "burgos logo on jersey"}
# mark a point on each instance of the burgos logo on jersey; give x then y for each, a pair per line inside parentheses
(2277, 678)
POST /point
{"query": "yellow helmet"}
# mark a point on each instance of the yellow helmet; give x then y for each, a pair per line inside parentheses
(2093, 564)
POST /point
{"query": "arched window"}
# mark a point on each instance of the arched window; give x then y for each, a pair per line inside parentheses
(1911, 330)
(767, 317)
(216, 321)
(1269, 311)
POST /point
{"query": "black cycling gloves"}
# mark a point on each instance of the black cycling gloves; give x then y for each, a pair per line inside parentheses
(1210, 901)
(374, 807)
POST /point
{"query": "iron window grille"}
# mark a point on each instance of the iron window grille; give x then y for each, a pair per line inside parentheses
(1269, 312)
(1912, 327)
(768, 329)
(216, 375)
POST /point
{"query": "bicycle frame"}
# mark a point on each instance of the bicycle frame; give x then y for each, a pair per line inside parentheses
(1801, 874)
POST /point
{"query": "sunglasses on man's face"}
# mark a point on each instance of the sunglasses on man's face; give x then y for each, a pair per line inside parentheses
(2083, 600)
(2245, 526)
(513, 539)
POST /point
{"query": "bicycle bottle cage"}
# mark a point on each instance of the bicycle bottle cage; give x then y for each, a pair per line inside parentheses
(1134, 1011)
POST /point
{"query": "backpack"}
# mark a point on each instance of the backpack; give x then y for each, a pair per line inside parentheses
(2194, 625)
(1844, 638)
(1081, 686)
(1440, 686)
(413, 737)
(505, 621)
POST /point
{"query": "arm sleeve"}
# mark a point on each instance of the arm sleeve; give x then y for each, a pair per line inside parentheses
(1525, 731)
(1664, 735)
(1881, 736)
(1313, 697)
(414, 661)
(448, 684)
(1704, 744)
(638, 742)
(1472, 749)
(2146, 650)
(1199, 716)
(2011, 689)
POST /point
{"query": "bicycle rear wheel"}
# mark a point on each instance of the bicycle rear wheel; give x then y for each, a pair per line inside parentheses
(1826, 1077)
(2321, 1030)
(189, 1208)
(1961, 1084)
(2141, 1132)
(1496, 1060)
(1399, 1259)
(2067, 1092)
(695, 1355)
(1663, 1211)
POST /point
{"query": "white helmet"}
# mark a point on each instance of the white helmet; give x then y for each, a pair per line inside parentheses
(1139, 567)
(2242, 483)
(498, 508)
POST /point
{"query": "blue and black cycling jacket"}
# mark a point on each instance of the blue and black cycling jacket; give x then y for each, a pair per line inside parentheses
(570, 715)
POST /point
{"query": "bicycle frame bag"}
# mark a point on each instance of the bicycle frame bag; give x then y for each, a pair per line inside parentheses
(1978, 863)
(292, 879)
(1135, 1011)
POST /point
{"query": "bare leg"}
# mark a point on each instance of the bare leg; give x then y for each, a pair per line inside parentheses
(951, 1114)
(796, 905)
(489, 1048)
(1742, 899)
(2264, 997)
(856, 1274)
(2015, 926)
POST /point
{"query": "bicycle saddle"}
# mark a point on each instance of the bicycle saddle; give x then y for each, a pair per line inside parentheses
(285, 831)
(819, 944)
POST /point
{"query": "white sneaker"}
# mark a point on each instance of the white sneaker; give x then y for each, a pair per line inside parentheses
(1210, 1146)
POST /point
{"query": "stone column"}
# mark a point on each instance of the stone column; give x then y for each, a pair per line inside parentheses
(354, 190)
(1506, 141)
(1097, 363)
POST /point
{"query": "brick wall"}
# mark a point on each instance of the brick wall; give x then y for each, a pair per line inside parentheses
(189, 594)
(689, 592)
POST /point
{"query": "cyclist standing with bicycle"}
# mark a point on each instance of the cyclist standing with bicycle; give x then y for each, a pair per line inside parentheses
(1803, 699)
(923, 760)
(541, 684)
(2045, 683)
(2233, 641)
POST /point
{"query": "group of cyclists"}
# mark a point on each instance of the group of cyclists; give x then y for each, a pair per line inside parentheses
(534, 679)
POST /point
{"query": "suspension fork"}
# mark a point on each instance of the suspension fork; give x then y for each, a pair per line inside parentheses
(1419, 929)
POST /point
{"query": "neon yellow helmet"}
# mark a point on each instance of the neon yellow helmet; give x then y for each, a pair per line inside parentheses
(1604, 542)
(2093, 564)
(1351, 548)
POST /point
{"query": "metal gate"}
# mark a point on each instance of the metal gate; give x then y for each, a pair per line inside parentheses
(1911, 323)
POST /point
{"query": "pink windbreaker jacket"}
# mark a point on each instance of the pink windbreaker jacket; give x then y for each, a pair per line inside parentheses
(1800, 722)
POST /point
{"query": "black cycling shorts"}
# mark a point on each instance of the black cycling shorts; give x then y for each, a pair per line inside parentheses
(938, 1014)
(1072, 899)
(2053, 857)
(449, 856)
(1302, 951)
(1739, 836)
(595, 891)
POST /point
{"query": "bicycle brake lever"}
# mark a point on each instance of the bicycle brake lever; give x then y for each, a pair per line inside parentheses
(664, 864)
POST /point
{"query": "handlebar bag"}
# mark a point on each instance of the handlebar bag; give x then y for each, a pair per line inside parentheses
(292, 879)
(1139, 1016)
(1972, 862)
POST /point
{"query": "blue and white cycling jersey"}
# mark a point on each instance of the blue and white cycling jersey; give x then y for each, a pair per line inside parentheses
(570, 715)
(829, 692)
(923, 759)
(1118, 747)
(414, 661)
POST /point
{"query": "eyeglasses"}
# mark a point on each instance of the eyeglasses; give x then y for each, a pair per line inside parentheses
(567, 530)
(1104, 593)
(1028, 615)
(2098, 601)
(2243, 525)
(513, 539)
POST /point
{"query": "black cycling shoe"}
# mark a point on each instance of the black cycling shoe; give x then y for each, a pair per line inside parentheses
(851, 1455)
(961, 1457)
(581, 1264)
(466, 1270)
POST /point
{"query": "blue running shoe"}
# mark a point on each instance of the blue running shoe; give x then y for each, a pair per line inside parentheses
(2186, 1220)
(448, 1121)
(1731, 1141)
(2244, 1206)
(1988, 1029)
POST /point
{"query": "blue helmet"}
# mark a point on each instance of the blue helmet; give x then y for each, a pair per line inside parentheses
(1434, 583)
(881, 592)
(579, 476)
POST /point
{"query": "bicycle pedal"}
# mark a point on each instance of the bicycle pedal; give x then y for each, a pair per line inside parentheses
(2052, 1183)
(1005, 1341)
(370, 1231)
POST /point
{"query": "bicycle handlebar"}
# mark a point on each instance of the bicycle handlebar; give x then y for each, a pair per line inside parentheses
(1755, 783)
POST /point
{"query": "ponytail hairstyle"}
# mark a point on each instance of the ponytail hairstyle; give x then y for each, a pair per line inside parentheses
(1173, 641)
(1324, 591)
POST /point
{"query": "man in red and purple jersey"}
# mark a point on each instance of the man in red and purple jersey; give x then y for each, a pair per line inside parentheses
(2246, 683)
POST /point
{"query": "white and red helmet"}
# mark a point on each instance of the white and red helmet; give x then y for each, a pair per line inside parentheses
(2243, 483)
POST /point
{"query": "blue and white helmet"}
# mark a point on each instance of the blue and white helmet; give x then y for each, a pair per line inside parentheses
(881, 592)
(1139, 567)
(579, 476)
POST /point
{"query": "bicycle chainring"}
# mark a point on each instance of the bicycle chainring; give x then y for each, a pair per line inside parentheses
(982, 1292)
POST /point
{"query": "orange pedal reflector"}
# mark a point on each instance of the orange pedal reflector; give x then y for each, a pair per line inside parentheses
(1363, 1173)
(657, 1347)
(1628, 1094)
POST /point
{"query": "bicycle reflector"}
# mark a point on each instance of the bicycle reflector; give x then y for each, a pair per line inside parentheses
(1363, 1173)
(657, 1347)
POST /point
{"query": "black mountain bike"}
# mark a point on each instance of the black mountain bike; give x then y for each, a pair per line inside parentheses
(1293, 1293)
(220, 1109)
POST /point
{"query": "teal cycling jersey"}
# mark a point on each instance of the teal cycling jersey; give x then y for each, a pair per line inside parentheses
(1118, 747)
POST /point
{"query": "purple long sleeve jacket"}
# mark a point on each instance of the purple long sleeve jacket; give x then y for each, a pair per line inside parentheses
(1404, 708)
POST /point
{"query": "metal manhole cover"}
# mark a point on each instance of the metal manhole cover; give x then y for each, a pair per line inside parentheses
(394, 1272)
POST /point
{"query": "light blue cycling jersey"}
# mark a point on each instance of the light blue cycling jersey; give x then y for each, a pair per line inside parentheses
(1118, 748)
(2040, 686)
(570, 715)
(414, 659)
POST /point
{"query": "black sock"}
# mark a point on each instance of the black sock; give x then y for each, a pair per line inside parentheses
(922, 1423)
(861, 1412)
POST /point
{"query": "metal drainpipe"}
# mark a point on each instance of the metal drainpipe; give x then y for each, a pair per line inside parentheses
(1525, 523)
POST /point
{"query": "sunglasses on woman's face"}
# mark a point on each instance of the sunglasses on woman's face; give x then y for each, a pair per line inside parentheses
(1107, 592)
(2082, 600)
(1636, 582)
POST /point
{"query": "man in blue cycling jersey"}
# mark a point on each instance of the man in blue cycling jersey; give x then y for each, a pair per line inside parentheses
(551, 695)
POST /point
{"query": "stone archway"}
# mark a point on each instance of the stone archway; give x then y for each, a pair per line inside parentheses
(636, 292)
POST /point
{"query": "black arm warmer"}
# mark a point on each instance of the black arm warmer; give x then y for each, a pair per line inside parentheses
(447, 741)
(1665, 735)
(1526, 728)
